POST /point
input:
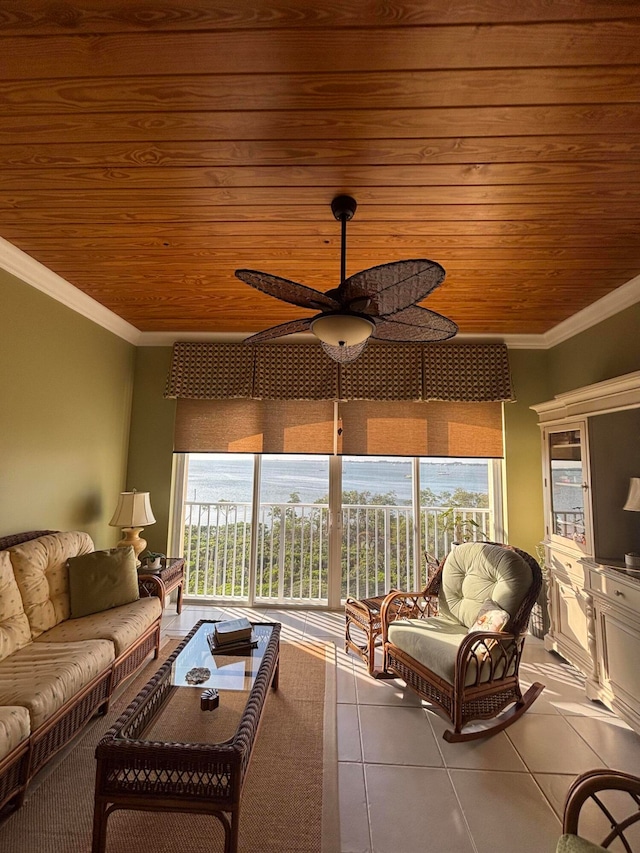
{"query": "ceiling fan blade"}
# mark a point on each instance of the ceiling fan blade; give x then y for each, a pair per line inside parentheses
(303, 325)
(415, 324)
(344, 354)
(288, 291)
(393, 287)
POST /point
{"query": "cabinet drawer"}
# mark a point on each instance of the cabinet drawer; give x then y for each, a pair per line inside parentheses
(567, 567)
(624, 593)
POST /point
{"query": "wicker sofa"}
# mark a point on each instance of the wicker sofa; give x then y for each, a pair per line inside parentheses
(55, 671)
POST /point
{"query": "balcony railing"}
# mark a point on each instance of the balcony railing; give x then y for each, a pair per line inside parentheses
(292, 549)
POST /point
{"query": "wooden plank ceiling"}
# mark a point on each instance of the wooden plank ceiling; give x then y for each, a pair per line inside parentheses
(149, 148)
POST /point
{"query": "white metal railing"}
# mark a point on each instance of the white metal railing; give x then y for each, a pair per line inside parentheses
(292, 553)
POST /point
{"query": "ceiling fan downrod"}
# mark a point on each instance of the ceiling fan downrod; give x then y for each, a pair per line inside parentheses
(343, 208)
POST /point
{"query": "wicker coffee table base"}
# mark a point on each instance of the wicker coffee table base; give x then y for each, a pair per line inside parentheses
(198, 778)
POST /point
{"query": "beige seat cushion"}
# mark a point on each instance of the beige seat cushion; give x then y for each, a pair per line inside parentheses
(475, 572)
(122, 625)
(434, 643)
(14, 728)
(43, 676)
(40, 568)
(14, 625)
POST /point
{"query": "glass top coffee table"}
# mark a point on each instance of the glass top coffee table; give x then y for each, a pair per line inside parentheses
(175, 748)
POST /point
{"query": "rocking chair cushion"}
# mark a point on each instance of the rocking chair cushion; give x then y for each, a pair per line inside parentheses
(575, 844)
(477, 571)
(434, 643)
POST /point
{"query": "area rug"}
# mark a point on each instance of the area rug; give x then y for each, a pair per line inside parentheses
(289, 802)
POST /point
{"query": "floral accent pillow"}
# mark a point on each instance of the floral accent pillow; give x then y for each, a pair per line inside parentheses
(491, 617)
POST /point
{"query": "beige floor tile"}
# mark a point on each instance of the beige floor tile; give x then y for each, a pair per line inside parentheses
(506, 811)
(397, 736)
(617, 745)
(292, 619)
(491, 753)
(373, 691)
(349, 748)
(548, 744)
(325, 623)
(555, 786)
(354, 827)
(414, 810)
(346, 682)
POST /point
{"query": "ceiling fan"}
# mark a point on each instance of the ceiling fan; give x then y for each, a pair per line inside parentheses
(379, 302)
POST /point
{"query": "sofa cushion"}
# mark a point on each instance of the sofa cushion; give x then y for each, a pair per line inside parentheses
(434, 643)
(476, 571)
(102, 580)
(14, 728)
(122, 625)
(14, 625)
(40, 568)
(43, 676)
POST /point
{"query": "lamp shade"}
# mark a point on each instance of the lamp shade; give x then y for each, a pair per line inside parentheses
(133, 510)
(342, 329)
(633, 498)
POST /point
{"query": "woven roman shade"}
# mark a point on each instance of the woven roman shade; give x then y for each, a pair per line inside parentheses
(254, 426)
(421, 429)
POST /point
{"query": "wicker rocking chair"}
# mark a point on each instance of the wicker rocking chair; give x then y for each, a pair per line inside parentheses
(468, 672)
(590, 797)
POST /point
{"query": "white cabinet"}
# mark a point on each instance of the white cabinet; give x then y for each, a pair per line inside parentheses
(616, 614)
(568, 537)
(590, 449)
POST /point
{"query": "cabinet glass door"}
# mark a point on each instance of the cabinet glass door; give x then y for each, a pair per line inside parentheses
(567, 486)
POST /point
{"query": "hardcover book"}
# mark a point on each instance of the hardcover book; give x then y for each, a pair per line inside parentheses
(232, 631)
(238, 647)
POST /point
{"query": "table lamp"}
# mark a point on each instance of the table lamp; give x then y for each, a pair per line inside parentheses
(132, 514)
(632, 560)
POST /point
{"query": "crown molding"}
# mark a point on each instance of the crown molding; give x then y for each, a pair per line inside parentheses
(622, 297)
(26, 268)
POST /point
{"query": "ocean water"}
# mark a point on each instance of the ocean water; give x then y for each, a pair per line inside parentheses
(229, 477)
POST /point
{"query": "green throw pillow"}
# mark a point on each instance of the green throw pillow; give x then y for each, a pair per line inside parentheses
(102, 580)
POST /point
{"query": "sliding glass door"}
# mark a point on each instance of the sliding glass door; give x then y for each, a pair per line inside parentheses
(301, 530)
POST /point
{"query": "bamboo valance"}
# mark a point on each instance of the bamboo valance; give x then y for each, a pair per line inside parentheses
(419, 372)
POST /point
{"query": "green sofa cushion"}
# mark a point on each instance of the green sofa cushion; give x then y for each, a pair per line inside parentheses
(101, 580)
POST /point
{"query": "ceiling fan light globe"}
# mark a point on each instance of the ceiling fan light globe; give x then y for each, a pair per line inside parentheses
(340, 330)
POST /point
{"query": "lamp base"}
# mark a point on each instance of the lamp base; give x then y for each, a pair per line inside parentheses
(632, 560)
(132, 537)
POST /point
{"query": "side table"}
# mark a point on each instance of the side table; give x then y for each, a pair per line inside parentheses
(171, 576)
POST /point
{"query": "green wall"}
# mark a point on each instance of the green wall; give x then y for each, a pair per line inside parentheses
(523, 466)
(66, 386)
(609, 349)
(151, 440)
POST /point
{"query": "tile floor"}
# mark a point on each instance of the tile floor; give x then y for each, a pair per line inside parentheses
(404, 789)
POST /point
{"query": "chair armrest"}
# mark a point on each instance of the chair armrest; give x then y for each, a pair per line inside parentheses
(151, 585)
(588, 786)
(494, 654)
(406, 605)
